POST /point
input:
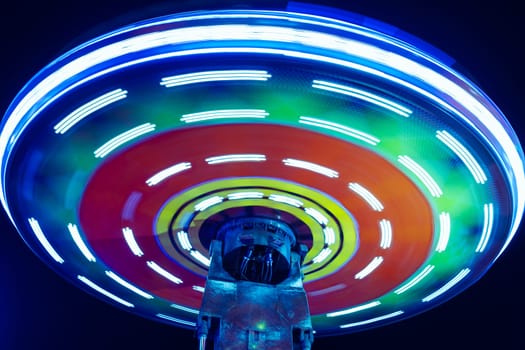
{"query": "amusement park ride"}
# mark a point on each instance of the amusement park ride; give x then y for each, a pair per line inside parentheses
(262, 176)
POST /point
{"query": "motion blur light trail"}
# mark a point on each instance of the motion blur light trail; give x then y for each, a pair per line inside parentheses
(122, 158)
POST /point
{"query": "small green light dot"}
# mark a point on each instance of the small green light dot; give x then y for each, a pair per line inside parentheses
(261, 325)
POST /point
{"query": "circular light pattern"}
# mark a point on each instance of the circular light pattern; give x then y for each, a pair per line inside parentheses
(324, 232)
(124, 156)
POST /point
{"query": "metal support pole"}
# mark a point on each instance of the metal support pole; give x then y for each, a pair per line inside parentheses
(202, 333)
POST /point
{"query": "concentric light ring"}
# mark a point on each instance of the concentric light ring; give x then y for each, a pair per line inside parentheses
(151, 111)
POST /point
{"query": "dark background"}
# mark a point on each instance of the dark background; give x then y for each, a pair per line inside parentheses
(39, 310)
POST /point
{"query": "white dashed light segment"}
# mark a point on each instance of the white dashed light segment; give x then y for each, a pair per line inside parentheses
(200, 257)
(163, 272)
(123, 138)
(386, 234)
(37, 230)
(341, 129)
(422, 174)
(367, 196)
(236, 158)
(316, 168)
(285, 199)
(91, 107)
(170, 171)
(444, 232)
(372, 320)
(184, 240)
(218, 75)
(177, 320)
(354, 309)
(415, 280)
(411, 81)
(128, 285)
(245, 195)
(374, 264)
(102, 291)
(362, 95)
(224, 114)
(131, 241)
(462, 152)
(198, 289)
(329, 235)
(209, 202)
(462, 274)
(322, 255)
(75, 234)
(319, 217)
(488, 220)
(184, 308)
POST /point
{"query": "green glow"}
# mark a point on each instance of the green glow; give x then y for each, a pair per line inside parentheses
(68, 165)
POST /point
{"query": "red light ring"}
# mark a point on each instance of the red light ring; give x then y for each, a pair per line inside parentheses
(108, 191)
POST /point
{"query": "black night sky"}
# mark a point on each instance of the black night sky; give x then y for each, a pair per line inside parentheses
(40, 310)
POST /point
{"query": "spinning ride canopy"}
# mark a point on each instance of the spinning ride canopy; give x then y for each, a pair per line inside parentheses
(123, 158)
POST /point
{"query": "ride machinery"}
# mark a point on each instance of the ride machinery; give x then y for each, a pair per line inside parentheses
(261, 175)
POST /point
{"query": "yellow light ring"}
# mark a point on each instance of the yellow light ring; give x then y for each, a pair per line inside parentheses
(179, 214)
